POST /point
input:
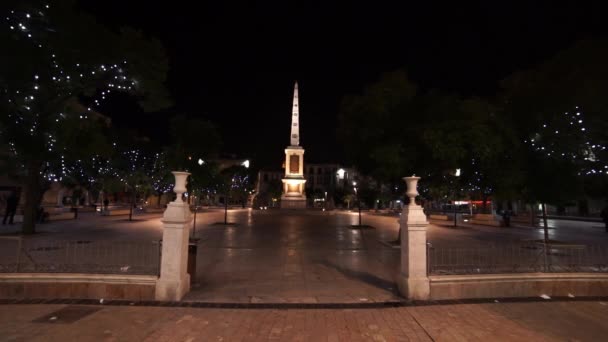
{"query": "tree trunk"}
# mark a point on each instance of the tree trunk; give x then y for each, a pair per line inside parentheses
(546, 239)
(159, 195)
(131, 207)
(532, 216)
(359, 205)
(32, 197)
(545, 226)
(226, 209)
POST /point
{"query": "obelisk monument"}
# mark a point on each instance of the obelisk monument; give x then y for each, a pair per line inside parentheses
(293, 183)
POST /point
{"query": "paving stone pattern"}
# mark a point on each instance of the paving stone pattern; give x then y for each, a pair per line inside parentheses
(535, 321)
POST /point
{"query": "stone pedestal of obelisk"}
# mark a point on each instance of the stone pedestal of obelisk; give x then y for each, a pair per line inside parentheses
(413, 281)
(174, 280)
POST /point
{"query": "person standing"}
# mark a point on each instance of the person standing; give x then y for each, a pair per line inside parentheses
(604, 215)
(506, 217)
(11, 208)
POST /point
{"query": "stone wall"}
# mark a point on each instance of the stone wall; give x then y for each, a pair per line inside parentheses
(77, 286)
(518, 285)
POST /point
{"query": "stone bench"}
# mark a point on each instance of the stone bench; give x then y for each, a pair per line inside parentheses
(154, 210)
(17, 219)
(524, 219)
(440, 217)
(115, 212)
(61, 216)
(486, 220)
(50, 217)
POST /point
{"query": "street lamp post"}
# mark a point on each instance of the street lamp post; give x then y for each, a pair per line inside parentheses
(194, 221)
(457, 174)
(196, 200)
(358, 201)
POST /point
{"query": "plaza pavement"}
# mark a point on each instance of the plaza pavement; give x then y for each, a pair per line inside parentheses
(275, 256)
(523, 321)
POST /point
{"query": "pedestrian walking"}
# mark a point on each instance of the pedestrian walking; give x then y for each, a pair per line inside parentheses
(11, 207)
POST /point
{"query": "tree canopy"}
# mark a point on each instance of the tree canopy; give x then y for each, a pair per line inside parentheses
(61, 64)
(543, 138)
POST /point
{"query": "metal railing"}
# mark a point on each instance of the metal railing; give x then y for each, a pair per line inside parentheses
(519, 258)
(18, 255)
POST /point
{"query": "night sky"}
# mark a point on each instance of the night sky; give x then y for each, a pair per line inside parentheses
(234, 63)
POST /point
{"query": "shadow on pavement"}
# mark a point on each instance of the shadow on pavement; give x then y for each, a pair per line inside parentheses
(365, 277)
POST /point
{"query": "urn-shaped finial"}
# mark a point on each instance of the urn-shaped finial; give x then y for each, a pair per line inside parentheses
(412, 188)
(180, 184)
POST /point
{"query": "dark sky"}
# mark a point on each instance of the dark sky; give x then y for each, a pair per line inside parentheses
(234, 63)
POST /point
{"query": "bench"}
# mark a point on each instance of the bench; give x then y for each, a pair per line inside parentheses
(61, 216)
(440, 217)
(49, 217)
(524, 219)
(114, 212)
(154, 210)
(486, 220)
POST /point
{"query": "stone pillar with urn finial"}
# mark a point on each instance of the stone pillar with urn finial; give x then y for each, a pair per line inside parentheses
(174, 280)
(413, 281)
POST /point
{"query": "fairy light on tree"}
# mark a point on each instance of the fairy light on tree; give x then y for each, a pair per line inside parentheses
(567, 138)
(61, 67)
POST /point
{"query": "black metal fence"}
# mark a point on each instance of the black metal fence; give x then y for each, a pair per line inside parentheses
(19, 255)
(519, 258)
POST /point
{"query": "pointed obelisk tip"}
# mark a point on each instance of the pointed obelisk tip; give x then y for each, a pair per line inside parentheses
(295, 113)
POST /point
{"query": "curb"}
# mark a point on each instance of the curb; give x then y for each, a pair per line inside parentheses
(285, 306)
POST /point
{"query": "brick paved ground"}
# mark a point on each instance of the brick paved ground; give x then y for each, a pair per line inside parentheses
(531, 321)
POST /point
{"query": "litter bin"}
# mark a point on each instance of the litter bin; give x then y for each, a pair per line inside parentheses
(192, 248)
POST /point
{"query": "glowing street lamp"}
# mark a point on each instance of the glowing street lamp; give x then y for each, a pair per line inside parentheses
(457, 174)
(340, 173)
(358, 201)
(200, 163)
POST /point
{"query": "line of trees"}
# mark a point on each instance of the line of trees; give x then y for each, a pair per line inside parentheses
(59, 67)
(542, 138)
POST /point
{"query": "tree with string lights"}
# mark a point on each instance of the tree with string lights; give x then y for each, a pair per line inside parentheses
(161, 179)
(558, 110)
(59, 66)
(563, 153)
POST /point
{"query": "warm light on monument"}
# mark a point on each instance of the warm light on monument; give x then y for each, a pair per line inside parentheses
(293, 183)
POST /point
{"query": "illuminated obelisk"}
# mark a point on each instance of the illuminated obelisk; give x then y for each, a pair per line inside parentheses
(293, 183)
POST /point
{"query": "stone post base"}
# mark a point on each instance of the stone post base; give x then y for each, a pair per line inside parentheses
(293, 202)
(172, 290)
(174, 280)
(414, 288)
